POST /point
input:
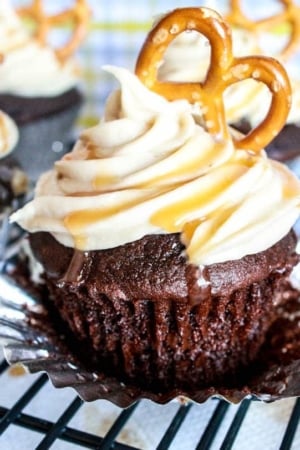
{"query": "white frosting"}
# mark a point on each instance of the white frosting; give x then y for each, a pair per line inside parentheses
(149, 167)
(29, 69)
(188, 57)
(9, 134)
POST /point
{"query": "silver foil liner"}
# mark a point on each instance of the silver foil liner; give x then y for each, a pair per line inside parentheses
(30, 336)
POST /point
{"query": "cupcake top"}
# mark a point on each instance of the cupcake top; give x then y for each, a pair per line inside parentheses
(153, 165)
(9, 135)
(31, 68)
(188, 57)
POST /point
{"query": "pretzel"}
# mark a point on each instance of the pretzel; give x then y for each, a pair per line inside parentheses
(79, 16)
(290, 14)
(224, 70)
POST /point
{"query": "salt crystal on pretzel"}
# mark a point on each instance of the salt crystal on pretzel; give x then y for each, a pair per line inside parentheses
(224, 70)
(290, 15)
(79, 15)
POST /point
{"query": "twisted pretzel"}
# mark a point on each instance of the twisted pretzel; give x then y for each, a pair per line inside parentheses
(79, 16)
(290, 15)
(223, 71)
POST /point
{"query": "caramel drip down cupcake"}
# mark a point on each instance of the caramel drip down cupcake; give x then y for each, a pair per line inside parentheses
(166, 244)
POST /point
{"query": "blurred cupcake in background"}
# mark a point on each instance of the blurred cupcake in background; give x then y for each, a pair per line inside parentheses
(247, 102)
(39, 83)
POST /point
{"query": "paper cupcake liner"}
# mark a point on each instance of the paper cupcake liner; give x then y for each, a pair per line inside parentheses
(30, 336)
(153, 342)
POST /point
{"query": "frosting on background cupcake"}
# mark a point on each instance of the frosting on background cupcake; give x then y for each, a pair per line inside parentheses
(30, 69)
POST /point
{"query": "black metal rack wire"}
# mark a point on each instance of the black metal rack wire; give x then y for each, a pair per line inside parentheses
(52, 431)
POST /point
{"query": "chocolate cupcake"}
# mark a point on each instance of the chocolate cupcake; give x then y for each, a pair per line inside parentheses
(246, 102)
(154, 232)
(39, 84)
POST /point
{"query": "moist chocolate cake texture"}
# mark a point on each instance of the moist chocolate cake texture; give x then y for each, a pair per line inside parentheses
(150, 317)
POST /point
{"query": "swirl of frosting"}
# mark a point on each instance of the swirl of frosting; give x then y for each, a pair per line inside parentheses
(150, 167)
(188, 57)
(9, 134)
(30, 69)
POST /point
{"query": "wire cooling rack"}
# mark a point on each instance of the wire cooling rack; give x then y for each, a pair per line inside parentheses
(60, 433)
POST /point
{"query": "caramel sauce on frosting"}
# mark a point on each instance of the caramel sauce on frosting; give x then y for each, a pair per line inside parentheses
(155, 169)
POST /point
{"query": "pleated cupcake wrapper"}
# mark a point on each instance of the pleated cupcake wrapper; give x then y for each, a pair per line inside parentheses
(169, 343)
(30, 338)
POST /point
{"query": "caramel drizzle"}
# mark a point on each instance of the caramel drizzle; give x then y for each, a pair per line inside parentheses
(78, 269)
(224, 70)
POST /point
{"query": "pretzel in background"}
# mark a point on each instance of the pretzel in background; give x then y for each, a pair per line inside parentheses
(290, 15)
(224, 70)
(78, 15)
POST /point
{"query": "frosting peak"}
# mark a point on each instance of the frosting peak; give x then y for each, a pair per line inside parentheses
(150, 167)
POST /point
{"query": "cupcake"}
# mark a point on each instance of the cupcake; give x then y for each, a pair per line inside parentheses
(153, 233)
(39, 84)
(246, 102)
(13, 181)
